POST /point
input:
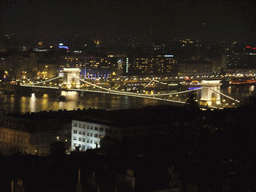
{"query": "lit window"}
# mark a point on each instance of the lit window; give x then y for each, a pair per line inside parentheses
(58, 138)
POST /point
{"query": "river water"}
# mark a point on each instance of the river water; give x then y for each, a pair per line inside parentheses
(23, 104)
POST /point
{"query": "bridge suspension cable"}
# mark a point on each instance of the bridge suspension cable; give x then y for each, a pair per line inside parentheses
(154, 81)
(226, 96)
(151, 95)
(47, 80)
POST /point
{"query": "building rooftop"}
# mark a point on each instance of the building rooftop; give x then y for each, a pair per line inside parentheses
(147, 116)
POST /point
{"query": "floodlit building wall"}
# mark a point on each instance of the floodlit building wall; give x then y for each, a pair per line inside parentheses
(13, 141)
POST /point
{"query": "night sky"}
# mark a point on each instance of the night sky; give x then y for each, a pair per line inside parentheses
(53, 21)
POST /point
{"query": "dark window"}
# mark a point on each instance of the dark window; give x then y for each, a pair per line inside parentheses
(88, 134)
(101, 129)
(96, 135)
(74, 138)
(91, 127)
(83, 139)
(80, 132)
(75, 124)
(80, 125)
(80, 139)
(91, 141)
(75, 131)
(84, 126)
(83, 133)
(91, 134)
(96, 128)
(88, 140)
(88, 127)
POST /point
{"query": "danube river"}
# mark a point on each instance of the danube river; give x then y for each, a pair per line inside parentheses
(23, 104)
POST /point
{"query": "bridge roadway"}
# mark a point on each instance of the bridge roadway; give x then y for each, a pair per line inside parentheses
(113, 92)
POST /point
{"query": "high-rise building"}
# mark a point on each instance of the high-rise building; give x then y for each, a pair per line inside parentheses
(152, 65)
(241, 57)
(195, 68)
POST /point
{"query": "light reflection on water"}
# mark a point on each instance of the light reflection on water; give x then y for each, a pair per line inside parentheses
(45, 102)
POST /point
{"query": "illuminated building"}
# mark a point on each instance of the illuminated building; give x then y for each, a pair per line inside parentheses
(72, 61)
(13, 141)
(98, 66)
(15, 136)
(152, 65)
(86, 129)
(33, 133)
(194, 68)
(241, 57)
(119, 64)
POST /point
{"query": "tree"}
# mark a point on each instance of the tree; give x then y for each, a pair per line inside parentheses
(191, 102)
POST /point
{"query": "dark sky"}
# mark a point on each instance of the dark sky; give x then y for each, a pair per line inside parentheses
(33, 21)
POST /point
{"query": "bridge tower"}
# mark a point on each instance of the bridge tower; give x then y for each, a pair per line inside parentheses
(69, 80)
(208, 94)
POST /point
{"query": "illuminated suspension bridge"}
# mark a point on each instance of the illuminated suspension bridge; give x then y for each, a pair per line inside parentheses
(208, 87)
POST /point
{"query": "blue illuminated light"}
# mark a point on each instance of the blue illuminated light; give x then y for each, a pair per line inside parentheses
(192, 88)
(63, 47)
